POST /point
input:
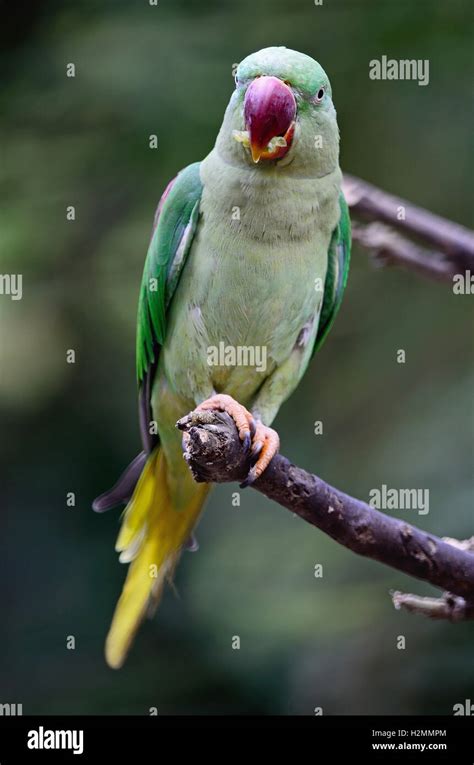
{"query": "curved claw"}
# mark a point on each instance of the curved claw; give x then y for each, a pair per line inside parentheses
(251, 478)
(256, 449)
(192, 545)
(253, 428)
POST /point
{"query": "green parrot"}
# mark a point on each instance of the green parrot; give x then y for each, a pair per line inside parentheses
(250, 250)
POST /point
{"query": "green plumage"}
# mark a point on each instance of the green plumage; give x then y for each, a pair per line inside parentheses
(180, 209)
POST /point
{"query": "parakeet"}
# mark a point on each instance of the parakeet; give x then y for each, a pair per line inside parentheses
(250, 249)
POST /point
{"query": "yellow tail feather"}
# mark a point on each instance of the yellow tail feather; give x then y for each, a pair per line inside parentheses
(152, 535)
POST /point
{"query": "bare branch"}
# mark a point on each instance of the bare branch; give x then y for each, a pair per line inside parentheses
(371, 203)
(450, 607)
(461, 544)
(389, 247)
(214, 453)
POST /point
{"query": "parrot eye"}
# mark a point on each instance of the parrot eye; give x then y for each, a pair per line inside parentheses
(319, 95)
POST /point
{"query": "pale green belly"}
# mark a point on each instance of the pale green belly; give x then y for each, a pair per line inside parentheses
(236, 317)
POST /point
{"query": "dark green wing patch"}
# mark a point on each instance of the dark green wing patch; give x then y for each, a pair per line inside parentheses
(336, 278)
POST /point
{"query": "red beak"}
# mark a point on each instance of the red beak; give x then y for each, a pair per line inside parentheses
(270, 111)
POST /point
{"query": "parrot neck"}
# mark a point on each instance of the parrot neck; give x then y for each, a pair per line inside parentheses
(270, 205)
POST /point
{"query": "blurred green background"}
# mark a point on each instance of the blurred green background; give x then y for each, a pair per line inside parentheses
(305, 642)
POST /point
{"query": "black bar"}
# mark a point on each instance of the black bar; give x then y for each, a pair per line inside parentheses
(440, 739)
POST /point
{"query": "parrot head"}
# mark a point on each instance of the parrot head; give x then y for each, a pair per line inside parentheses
(280, 114)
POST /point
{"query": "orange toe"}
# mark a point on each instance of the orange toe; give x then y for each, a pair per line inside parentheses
(266, 444)
(241, 416)
(271, 445)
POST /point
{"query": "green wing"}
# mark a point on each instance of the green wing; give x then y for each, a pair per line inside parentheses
(339, 256)
(175, 224)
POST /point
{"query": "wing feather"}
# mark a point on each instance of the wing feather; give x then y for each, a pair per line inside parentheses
(339, 256)
(175, 223)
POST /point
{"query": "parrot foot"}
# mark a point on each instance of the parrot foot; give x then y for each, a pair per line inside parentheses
(264, 441)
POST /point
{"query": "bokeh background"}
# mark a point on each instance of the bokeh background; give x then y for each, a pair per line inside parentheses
(305, 642)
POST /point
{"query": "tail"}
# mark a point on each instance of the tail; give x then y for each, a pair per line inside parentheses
(151, 538)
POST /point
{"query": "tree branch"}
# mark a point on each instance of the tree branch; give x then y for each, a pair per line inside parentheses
(450, 607)
(453, 243)
(389, 248)
(214, 453)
